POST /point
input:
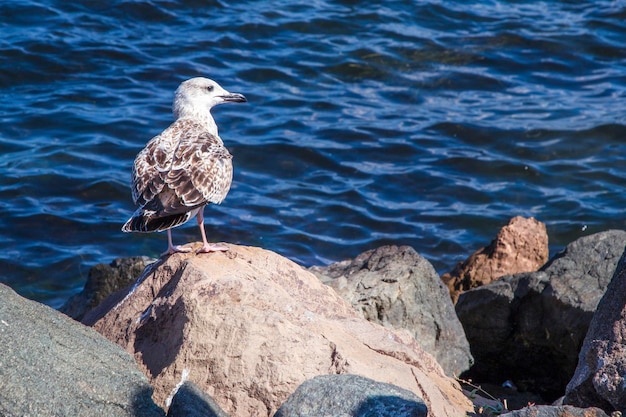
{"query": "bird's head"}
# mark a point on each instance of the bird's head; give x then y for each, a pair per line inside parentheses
(196, 96)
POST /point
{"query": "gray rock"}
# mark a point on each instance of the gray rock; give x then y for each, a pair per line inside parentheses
(556, 411)
(51, 365)
(396, 287)
(191, 401)
(581, 273)
(351, 396)
(102, 281)
(600, 377)
(529, 327)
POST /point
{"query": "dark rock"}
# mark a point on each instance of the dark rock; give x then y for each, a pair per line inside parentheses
(396, 287)
(102, 281)
(556, 411)
(529, 327)
(351, 396)
(191, 401)
(600, 377)
(520, 246)
(51, 365)
(499, 397)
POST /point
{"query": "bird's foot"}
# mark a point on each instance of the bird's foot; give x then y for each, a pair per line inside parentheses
(212, 247)
(176, 249)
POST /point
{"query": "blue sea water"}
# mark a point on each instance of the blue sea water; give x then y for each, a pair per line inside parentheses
(424, 123)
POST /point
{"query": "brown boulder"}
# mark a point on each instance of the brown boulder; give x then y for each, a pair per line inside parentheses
(249, 326)
(520, 246)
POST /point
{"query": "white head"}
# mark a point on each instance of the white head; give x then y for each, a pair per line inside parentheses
(195, 97)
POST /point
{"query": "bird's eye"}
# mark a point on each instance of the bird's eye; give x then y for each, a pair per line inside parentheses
(209, 88)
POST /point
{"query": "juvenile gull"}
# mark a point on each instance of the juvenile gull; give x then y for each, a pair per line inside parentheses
(185, 167)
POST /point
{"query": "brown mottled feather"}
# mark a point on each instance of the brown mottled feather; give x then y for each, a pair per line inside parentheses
(202, 170)
(183, 168)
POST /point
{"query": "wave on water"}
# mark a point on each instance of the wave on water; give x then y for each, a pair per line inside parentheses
(420, 123)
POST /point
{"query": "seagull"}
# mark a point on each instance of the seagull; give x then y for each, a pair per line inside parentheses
(185, 167)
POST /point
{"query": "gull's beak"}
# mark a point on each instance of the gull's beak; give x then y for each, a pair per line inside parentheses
(234, 98)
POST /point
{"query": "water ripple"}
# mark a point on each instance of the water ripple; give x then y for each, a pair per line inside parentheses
(421, 123)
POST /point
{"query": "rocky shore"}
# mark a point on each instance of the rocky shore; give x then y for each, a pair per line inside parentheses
(249, 333)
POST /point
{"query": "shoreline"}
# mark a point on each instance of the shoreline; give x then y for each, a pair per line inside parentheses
(374, 303)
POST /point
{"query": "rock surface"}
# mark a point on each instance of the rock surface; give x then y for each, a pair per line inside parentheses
(351, 396)
(102, 281)
(520, 246)
(396, 287)
(249, 326)
(51, 365)
(556, 411)
(191, 401)
(600, 377)
(529, 327)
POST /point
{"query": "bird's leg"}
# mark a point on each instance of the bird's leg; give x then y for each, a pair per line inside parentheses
(171, 248)
(206, 246)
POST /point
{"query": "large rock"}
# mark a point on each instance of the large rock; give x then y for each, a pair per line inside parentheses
(190, 401)
(520, 246)
(249, 326)
(600, 377)
(556, 411)
(529, 327)
(51, 365)
(351, 396)
(396, 287)
(104, 280)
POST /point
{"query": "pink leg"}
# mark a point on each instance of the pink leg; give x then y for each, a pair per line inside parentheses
(171, 248)
(206, 246)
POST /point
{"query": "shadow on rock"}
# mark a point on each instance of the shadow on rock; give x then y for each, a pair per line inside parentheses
(191, 401)
(387, 405)
(162, 332)
(142, 404)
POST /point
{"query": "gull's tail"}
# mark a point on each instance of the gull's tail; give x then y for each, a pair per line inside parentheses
(145, 221)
